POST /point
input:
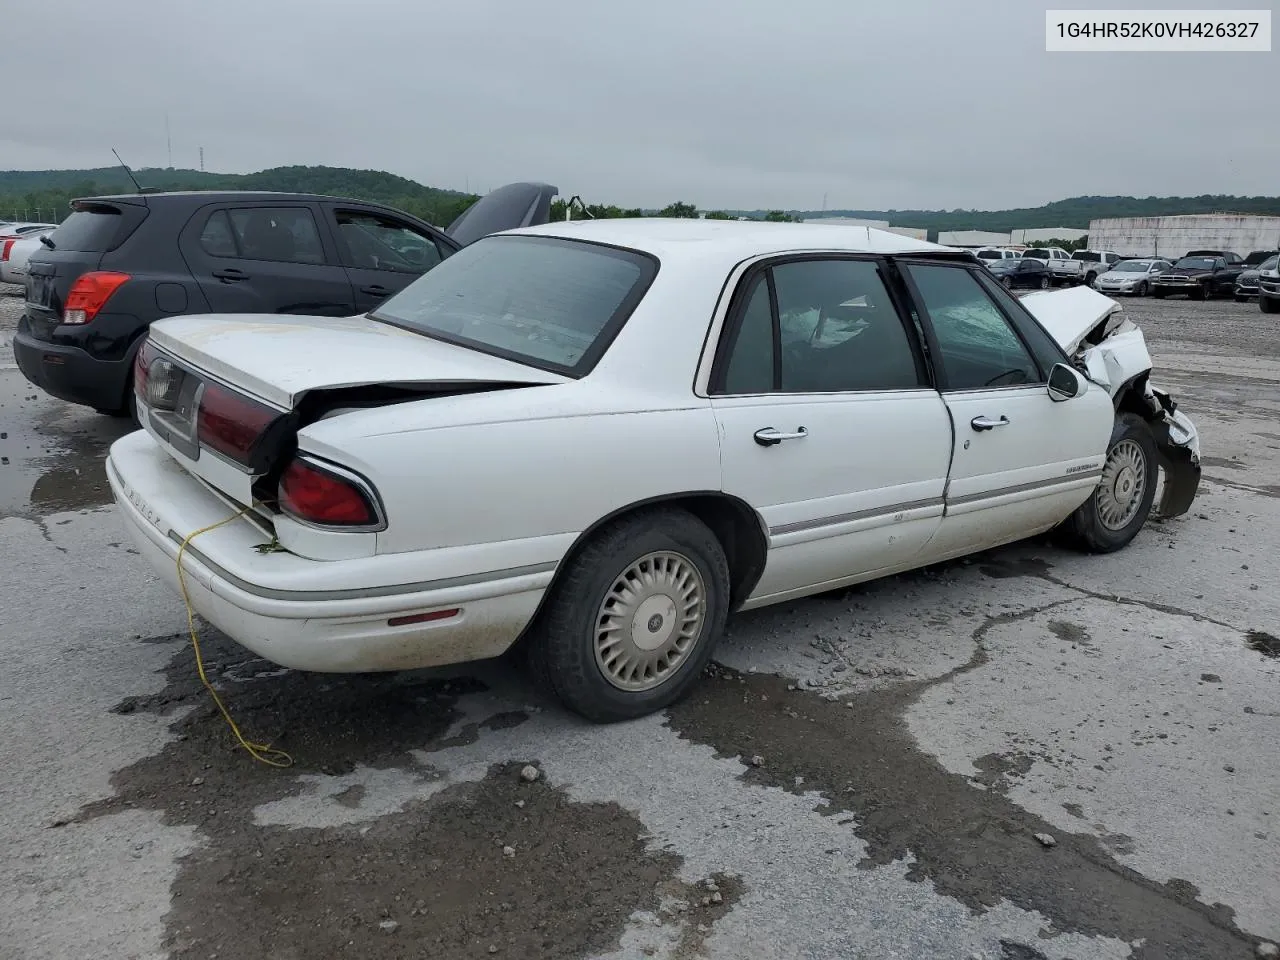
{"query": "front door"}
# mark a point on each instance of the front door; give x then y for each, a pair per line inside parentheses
(270, 258)
(828, 425)
(1022, 461)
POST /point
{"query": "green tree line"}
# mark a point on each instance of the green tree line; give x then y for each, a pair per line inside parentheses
(45, 194)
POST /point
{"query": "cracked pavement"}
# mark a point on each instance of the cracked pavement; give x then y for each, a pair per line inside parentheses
(863, 774)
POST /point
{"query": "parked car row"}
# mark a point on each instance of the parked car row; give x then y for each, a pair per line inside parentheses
(18, 240)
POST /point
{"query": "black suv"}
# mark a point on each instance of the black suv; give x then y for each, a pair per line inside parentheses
(118, 263)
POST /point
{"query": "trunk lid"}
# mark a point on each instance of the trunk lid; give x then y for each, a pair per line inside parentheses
(507, 208)
(279, 358)
(225, 395)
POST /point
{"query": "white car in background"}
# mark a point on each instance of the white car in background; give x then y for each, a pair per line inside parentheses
(598, 439)
(1131, 277)
(15, 252)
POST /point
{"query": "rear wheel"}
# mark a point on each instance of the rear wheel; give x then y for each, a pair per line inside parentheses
(1121, 504)
(634, 618)
(1267, 305)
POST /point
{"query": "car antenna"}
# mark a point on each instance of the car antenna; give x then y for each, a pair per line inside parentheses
(129, 172)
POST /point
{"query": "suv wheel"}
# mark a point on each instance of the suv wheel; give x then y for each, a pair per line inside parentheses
(1267, 305)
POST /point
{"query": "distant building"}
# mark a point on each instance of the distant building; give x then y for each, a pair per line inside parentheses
(849, 222)
(1045, 234)
(1174, 236)
(972, 238)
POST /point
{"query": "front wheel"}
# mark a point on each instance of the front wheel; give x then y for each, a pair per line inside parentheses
(1121, 504)
(1267, 305)
(1044, 283)
(634, 618)
(1142, 289)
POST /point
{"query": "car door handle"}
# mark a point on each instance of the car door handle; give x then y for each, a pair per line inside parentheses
(986, 423)
(230, 274)
(771, 436)
(375, 289)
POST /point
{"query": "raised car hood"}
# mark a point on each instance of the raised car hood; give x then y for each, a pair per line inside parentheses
(507, 208)
(279, 358)
(1069, 315)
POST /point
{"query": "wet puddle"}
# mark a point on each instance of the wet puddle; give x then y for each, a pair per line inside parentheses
(51, 453)
(1264, 643)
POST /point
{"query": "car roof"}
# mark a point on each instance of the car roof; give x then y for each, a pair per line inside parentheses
(210, 196)
(740, 239)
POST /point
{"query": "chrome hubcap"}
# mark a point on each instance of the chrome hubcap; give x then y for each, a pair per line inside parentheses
(1124, 481)
(649, 621)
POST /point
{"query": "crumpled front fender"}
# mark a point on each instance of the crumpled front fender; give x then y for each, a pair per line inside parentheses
(1178, 443)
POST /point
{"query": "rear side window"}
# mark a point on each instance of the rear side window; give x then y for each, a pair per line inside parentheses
(279, 234)
(217, 238)
(380, 243)
(88, 231)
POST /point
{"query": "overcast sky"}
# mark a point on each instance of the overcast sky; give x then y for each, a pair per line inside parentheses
(885, 104)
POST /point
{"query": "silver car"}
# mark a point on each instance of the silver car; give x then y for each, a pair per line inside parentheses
(1131, 277)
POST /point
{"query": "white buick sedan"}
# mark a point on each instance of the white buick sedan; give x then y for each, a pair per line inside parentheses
(598, 439)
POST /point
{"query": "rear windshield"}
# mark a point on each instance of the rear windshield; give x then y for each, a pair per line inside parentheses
(1037, 254)
(87, 231)
(1088, 255)
(550, 303)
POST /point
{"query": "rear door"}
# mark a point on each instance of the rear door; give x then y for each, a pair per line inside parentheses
(273, 257)
(829, 427)
(1022, 462)
(381, 253)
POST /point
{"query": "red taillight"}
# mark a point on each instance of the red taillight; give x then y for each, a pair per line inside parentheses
(6, 247)
(316, 495)
(231, 424)
(146, 353)
(89, 294)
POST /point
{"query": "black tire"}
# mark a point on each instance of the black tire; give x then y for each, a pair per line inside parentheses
(1089, 278)
(1086, 529)
(1143, 289)
(1044, 283)
(1267, 305)
(561, 652)
(1008, 283)
(1201, 294)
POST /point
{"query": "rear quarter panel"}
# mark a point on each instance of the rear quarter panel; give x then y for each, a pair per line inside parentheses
(540, 462)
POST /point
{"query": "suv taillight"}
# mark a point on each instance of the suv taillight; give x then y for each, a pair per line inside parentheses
(89, 294)
(319, 495)
(231, 424)
(6, 247)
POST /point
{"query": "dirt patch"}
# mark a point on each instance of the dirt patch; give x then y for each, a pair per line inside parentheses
(996, 771)
(1264, 643)
(1069, 632)
(970, 843)
(499, 867)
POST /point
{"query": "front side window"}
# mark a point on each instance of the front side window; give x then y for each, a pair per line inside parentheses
(979, 348)
(549, 303)
(836, 330)
(380, 243)
(279, 234)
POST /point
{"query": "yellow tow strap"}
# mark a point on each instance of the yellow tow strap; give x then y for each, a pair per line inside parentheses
(262, 752)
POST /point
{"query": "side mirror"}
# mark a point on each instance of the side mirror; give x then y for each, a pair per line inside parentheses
(1064, 383)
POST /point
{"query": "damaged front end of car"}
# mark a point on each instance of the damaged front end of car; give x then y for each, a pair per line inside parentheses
(1111, 350)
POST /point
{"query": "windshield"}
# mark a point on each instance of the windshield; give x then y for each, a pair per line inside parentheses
(553, 304)
(1269, 264)
(1132, 266)
(990, 254)
(1195, 263)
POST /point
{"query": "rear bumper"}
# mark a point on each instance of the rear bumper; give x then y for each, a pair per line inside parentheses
(69, 373)
(300, 613)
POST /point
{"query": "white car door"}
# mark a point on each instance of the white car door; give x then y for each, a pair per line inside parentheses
(1022, 461)
(828, 425)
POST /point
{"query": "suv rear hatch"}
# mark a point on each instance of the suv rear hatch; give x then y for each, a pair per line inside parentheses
(76, 247)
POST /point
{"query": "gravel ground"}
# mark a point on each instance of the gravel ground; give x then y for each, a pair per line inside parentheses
(1028, 754)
